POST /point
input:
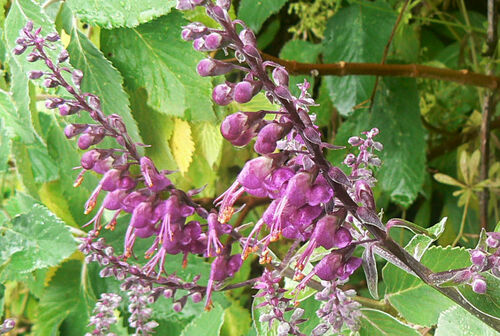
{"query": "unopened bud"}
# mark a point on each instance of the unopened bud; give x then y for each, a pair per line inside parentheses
(35, 74)
(63, 56)
(222, 94)
(19, 49)
(213, 41)
(77, 76)
(53, 37)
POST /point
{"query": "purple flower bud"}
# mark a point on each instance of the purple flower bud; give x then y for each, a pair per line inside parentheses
(213, 41)
(280, 76)
(89, 159)
(234, 125)
(255, 172)
(141, 215)
(234, 264)
(29, 26)
(50, 83)
(493, 240)
(211, 67)
(220, 14)
(133, 199)
(298, 188)
(64, 109)
(63, 56)
(355, 141)
(177, 306)
(19, 49)
(77, 77)
(283, 92)
(184, 5)
(193, 31)
(53, 37)
(479, 285)
(478, 258)
(223, 94)
(248, 37)
(112, 201)
(52, 103)
(74, 129)
(342, 238)
(127, 183)
(196, 297)
(111, 180)
(33, 57)
(199, 44)
(154, 180)
(35, 74)
(224, 4)
(268, 137)
(244, 91)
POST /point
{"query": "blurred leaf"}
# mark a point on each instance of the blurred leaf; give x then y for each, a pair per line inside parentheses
(207, 323)
(208, 138)
(182, 144)
(113, 14)
(60, 299)
(448, 180)
(84, 55)
(267, 36)
(170, 78)
(378, 323)
(397, 116)
(357, 33)
(34, 240)
(237, 320)
(255, 12)
(458, 322)
(403, 289)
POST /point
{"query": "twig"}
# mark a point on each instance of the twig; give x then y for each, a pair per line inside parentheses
(386, 51)
(465, 77)
(488, 110)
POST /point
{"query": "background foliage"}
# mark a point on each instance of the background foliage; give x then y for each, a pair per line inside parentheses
(134, 60)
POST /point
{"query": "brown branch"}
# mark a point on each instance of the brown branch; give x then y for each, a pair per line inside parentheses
(386, 51)
(488, 110)
(464, 77)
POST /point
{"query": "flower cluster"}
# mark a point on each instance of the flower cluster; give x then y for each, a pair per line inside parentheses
(337, 308)
(156, 206)
(485, 257)
(303, 203)
(278, 305)
(104, 314)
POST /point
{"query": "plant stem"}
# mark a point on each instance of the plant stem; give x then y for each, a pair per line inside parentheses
(462, 223)
(488, 111)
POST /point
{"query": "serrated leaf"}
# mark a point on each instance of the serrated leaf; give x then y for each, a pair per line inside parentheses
(113, 14)
(60, 299)
(396, 114)
(255, 12)
(182, 144)
(458, 322)
(170, 78)
(488, 302)
(357, 33)
(207, 323)
(34, 240)
(14, 122)
(403, 289)
(378, 323)
(101, 78)
(209, 139)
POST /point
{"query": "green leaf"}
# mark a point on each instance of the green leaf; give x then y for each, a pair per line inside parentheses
(60, 299)
(170, 78)
(208, 138)
(255, 12)
(396, 114)
(404, 290)
(34, 240)
(378, 323)
(101, 78)
(113, 14)
(2, 298)
(207, 323)
(15, 123)
(237, 320)
(263, 328)
(420, 243)
(357, 33)
(458, 322)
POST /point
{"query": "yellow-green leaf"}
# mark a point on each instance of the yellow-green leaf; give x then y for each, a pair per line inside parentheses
(209, 139)
(182, 144)
(448, 180)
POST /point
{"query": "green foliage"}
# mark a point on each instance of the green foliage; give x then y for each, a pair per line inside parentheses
(357, 33)
(171, 81)
(114, 14)
(375, 322)
(255, 13)
(456, 321)
(33, 240)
